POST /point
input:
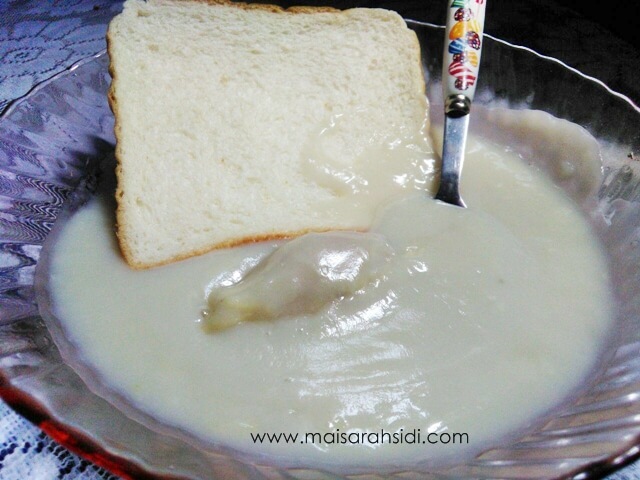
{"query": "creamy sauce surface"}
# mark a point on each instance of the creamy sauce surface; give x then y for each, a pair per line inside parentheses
(478, 320)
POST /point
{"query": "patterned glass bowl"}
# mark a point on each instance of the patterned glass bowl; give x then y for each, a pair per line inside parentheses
(49, 142)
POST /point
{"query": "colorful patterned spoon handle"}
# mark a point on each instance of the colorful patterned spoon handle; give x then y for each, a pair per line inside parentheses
(465, 23)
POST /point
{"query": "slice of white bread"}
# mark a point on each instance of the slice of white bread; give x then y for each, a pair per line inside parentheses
(217, 105)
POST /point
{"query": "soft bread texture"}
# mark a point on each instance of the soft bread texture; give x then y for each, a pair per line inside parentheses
(216, 104)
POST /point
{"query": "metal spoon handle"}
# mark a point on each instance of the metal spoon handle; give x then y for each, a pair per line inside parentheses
(455, 139)
(465, 23)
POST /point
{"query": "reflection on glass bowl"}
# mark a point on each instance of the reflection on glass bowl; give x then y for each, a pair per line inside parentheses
(52, 141)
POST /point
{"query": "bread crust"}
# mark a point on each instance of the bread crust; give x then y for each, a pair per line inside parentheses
(120, 229)
(113, 105)
(269, 7)
(236, 242)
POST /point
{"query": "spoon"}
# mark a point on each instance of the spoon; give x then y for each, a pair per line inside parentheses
(463, 46)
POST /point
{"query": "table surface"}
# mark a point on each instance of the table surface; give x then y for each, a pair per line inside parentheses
(38, 40)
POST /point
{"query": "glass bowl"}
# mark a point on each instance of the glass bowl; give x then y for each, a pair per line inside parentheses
(52, 140)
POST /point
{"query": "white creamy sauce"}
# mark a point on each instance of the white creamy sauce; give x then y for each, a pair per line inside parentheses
(478, 320)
